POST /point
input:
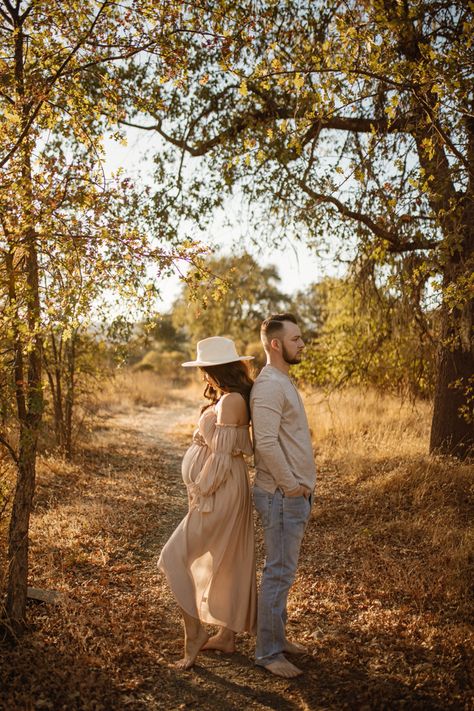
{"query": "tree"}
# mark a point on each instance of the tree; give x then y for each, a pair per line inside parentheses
(68, 233)
(354, 120)
(164, 333)
(234, 305)
(365, 338)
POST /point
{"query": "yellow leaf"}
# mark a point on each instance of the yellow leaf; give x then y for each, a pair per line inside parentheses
(14, 118)
(298, 81)
(243, 90)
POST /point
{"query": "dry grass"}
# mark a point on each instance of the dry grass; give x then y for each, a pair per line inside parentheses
(129, 388)
(367, 425)
(388, 562)
(381, 597)
(408, 515)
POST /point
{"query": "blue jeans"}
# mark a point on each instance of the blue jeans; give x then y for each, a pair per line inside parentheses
(284, 520)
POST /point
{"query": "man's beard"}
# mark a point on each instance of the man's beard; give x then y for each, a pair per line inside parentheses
(287, 359)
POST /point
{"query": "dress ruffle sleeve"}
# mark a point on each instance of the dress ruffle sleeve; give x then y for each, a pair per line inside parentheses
(221, 440)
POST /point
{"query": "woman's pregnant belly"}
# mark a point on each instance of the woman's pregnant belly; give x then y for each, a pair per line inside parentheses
(193, 462)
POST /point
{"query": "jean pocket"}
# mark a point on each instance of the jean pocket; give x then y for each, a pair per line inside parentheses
(297, 506)
(263, 501)
(298, 499)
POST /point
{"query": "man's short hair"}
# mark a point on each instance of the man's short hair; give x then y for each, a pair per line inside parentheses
(273, 325)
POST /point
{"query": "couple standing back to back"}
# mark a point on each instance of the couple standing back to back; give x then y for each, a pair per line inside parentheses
(209, 560)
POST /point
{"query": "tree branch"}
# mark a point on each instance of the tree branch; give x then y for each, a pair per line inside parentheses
(7, 98)
(26, 13)
(356, 71)
(51, 83)
(10, 9)
(397, 246)
(6, 17)
(126, 54)
(8, 446)
(250, 118)
(442, 133)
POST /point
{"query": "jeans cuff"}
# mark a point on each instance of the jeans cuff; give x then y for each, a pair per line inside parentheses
(265, 661)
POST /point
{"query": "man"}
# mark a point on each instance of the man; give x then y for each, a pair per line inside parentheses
(285, 479)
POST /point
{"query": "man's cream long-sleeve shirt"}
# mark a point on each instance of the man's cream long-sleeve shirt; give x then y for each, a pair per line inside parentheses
(282, 440)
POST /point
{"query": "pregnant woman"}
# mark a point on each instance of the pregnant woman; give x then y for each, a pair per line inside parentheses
(209, 561)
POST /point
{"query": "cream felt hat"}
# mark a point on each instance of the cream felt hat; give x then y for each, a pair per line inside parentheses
(215, 351)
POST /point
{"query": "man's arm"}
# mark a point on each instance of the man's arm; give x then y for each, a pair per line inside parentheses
(267, 403)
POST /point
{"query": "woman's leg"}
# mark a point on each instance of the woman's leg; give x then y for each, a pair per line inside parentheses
(224, 641)
(195, 636)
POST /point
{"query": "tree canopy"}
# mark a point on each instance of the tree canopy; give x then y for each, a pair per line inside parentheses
(230, 299)
(352, 121)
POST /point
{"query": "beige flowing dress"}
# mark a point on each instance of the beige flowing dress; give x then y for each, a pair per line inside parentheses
(209, 561)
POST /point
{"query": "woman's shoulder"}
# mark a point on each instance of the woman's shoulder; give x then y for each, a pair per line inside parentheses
(232, 409)
(231, 398)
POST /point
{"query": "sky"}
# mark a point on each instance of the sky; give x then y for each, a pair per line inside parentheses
(297, 265)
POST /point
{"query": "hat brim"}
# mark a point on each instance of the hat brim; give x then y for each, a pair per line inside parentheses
(204, 363)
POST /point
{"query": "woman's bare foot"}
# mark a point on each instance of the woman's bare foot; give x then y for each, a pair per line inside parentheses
(294, 648)
(192, 645)
(224, 641)
(283, 668)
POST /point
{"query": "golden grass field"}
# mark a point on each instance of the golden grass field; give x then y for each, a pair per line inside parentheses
(416, 510)
(382, 599)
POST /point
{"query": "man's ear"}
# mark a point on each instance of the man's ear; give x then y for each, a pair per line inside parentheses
(275, 344)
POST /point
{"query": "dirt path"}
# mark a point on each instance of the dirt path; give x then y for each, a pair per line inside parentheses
(97, 531)
(217, 681)
(156, 427)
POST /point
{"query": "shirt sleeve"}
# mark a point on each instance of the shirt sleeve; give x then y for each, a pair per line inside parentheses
(216, 467)
(267, 402)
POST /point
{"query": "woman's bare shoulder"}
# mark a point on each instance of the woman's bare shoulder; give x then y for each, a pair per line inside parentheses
(232, 409)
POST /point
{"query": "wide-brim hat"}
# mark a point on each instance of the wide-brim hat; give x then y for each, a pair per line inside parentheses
(216, 350)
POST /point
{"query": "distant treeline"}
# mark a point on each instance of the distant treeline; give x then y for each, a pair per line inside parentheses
(356, 332)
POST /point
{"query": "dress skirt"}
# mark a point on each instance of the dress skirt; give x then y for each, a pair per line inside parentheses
(209, 561)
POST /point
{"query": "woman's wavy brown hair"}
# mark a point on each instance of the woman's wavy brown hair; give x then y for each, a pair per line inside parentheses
(232, 377)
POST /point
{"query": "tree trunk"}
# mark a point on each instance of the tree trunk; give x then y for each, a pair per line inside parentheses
(30, 411)
(70, 393)
(24, 295)
(57, 414)
(55, 380)
(452, 428)
(18, 539)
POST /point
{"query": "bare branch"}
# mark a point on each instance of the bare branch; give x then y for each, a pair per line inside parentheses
(397, 245)
(6, 17)
(7, 98)
(11, 9)
(250, 118)
(10, 449)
